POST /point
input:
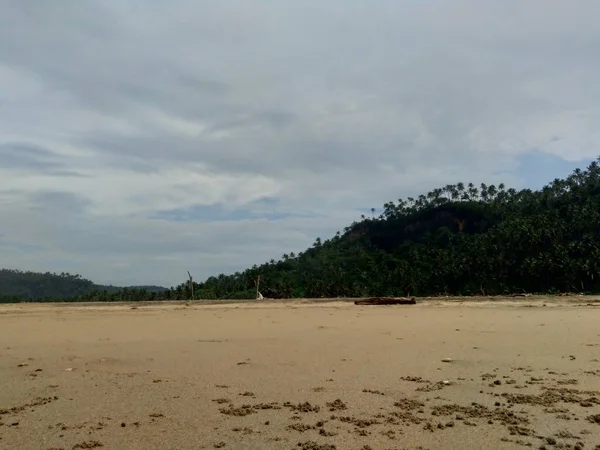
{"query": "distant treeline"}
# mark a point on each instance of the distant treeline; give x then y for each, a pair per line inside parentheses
(19, 286)
(459, 239)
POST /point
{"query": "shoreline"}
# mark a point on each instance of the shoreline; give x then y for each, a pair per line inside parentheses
(533, 300)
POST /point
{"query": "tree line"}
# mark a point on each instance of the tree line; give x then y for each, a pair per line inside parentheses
(459, 239)
(18, 286)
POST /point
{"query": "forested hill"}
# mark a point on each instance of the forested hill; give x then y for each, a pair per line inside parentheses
(16, 284)
(460, 239)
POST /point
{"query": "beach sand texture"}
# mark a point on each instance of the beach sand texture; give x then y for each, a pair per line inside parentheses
(507, 374)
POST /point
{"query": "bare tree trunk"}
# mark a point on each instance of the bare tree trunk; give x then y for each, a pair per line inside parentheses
(191, 284)
(258, 296)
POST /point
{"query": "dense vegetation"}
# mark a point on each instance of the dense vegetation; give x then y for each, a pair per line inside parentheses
(16, 285)
(459, 240)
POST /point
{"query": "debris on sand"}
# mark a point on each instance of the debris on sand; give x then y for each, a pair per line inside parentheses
(311, 445)
(359, 423)
(386, 301)
(476, 410)
(88, 444)
(336, 405)
(551, 396)
(39, 401)
(594, 418)
(302, 407)
(373, 391)
(415, 379)
(245, 410)
(434, 386)
(409, 404)
(300, 427)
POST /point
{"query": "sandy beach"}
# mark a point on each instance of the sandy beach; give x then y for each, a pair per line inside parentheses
(442, 374)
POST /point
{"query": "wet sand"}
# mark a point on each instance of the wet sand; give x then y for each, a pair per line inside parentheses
(507, 374)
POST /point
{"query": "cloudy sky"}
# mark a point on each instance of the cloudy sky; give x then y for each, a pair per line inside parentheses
(143, 138)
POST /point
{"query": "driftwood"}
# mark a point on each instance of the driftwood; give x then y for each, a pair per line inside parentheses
(386, 301)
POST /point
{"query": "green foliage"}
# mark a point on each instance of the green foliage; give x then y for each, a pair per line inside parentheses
(456, 240)
(33, 285)
(19, 286)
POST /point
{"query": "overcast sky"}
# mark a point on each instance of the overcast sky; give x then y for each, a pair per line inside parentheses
(140, 139)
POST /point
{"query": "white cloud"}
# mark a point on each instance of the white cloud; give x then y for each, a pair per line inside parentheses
(113, 111)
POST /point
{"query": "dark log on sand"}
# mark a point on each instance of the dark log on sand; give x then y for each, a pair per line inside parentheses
(386, 301)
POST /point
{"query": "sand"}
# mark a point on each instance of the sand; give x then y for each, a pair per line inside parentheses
(503, 374)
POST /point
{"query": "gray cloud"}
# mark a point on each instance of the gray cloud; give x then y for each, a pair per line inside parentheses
(26, 156)
(112, 111)
(65, 203)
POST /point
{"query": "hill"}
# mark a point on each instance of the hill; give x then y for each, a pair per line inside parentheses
(459, 239)
(16, 285)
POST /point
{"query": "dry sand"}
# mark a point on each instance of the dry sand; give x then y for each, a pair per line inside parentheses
(302, 376)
